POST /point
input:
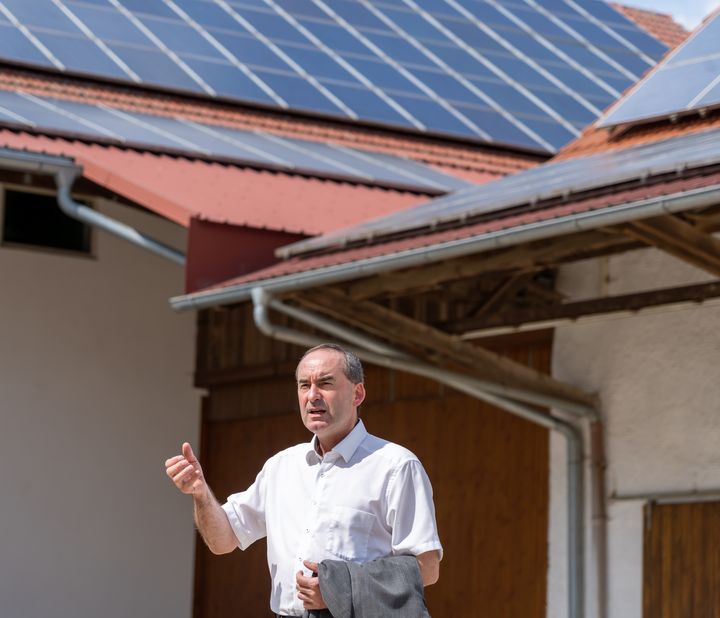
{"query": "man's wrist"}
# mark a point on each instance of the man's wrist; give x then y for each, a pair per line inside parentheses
(204, 497)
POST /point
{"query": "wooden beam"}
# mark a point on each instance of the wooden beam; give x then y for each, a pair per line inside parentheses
(707, 221)
(413, 335)
(510, 286)
(680, 239)
(536, 256)
(600, 306)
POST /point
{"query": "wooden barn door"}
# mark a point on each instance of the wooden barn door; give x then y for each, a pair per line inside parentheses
(682, 560)
(489, 472)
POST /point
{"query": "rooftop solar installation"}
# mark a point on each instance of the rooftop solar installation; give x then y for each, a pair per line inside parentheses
(549, 180)
(524, 73)
(219, 143)
(687, 80)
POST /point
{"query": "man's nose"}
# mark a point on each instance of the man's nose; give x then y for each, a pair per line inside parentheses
(313, 393)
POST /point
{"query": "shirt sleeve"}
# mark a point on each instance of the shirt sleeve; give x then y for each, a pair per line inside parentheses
(411, 512)
(246, 512)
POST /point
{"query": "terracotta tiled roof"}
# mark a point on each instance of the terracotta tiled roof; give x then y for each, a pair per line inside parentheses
(179, 188)
(660, 25)
(595, 140)
(501, 222)
(469, 161)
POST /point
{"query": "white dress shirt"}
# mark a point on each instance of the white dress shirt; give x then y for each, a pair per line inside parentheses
(367, 498)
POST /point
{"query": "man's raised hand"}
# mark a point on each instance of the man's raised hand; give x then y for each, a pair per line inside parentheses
(185, 472)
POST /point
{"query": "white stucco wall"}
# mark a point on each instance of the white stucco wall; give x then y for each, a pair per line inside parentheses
(658, 377)
(95, 392)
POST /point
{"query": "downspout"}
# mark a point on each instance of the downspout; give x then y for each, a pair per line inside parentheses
(64, 179)
(465, 384)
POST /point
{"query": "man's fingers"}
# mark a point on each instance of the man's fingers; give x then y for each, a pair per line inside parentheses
(188, 452)
(184, 474)
(173, 460)
(302, 581)
(313, 566)
(180, 465)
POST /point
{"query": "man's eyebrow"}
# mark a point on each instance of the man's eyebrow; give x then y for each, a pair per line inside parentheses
(322, 378)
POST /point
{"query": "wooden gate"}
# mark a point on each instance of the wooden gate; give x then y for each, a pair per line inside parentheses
(682, 560)
(489, 472)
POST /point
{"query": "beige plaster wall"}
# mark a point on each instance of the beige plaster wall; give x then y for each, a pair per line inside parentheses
(95, 392)
(658, 377)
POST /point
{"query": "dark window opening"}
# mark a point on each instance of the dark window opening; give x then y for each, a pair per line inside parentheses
(36, 220)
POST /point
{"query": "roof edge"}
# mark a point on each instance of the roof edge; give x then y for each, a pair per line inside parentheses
(612, 215)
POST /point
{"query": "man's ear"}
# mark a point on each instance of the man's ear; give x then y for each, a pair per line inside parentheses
(359, 394)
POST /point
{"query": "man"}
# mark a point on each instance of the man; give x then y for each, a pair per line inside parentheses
(345, 495)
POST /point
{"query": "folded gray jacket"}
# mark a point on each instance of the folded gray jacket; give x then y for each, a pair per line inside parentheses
(385, 587)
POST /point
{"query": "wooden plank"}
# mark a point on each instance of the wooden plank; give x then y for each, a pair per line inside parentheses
(680, 239)
(415, 335)
(537, 255)
(510, 286)
(489, 476)
(681, 575)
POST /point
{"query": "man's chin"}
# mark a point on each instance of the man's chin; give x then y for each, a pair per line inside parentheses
(316, 426)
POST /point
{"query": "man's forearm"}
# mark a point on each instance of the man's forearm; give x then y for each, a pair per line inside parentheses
(213, 524)
(429, 564)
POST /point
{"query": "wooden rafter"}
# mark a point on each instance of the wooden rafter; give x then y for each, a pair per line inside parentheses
(437, 345)
(501, 293)
(680, 239)
(600, 306)
(536, 256)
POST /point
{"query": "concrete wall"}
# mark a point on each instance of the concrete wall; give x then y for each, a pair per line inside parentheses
(658, 377)
(95, 392)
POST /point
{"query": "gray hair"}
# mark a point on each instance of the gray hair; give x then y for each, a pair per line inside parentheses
(352, 369)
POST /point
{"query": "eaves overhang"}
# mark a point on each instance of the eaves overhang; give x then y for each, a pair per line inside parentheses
(304, 279)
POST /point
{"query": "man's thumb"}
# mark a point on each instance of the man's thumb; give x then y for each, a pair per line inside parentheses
(188, 452)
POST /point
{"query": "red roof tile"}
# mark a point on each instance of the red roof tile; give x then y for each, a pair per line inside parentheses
(179, 188)
(660, 25)
(501, 222)
(594, 140)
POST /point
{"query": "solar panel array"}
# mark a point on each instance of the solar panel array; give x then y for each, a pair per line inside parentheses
(549, 180)
(687, 80)
(219, 143)
(528, 73)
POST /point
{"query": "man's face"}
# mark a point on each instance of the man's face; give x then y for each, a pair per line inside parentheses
(328, 400)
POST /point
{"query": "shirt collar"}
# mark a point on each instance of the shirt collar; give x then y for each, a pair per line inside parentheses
(345, 448)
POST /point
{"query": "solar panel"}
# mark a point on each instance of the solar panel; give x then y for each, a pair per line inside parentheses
(545, 181)
(369, 60)
(686, 81)
(102, 123)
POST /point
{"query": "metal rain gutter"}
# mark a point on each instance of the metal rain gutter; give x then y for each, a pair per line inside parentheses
(65, 179)
(65, 172)
(540, 230)
(263, 301)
